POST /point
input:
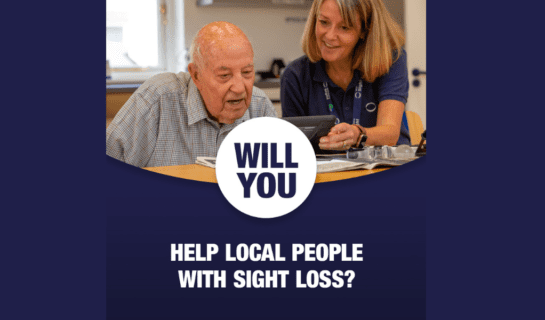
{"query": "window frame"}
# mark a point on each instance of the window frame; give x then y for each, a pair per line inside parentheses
(169, 12)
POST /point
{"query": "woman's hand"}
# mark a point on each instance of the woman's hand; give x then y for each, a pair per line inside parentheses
(340, 137)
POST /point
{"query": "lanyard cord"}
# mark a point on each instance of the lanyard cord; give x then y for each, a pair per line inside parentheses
(356, 107)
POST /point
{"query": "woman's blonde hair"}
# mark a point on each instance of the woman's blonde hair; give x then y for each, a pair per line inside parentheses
(382, 36)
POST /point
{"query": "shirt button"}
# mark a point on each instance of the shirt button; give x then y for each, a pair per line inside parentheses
(346, 108)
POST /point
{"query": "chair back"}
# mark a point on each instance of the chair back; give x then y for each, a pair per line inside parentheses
(413, 122)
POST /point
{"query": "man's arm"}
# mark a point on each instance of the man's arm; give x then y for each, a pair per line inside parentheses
(263, 106)
(270, 111)
(132, 135)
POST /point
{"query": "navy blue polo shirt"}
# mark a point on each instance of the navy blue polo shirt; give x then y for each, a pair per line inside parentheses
(302, 92)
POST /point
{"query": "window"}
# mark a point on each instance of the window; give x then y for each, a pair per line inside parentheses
(135, 37)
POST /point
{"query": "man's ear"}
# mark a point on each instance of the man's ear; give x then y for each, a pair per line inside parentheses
(193, 71)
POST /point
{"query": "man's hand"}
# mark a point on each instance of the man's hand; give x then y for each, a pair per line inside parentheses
(340, 137)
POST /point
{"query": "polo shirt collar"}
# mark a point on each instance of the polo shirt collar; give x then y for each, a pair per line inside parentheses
(320, 75)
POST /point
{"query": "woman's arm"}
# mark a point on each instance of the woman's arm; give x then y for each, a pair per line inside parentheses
(386, 132)
(389, 117)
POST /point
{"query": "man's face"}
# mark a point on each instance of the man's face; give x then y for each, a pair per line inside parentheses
(226, 79)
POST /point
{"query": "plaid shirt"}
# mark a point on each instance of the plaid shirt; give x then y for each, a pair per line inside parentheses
(165, 123)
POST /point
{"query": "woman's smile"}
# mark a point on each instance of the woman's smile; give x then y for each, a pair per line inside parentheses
(336, 37)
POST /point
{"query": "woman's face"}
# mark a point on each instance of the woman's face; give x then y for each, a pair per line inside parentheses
(335, 39)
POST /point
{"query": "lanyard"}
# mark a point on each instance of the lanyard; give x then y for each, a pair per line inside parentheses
(356, 108)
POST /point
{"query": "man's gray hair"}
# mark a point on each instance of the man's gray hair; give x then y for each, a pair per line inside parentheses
(195, 54)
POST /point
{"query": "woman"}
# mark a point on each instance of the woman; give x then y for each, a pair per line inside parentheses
(354, 68)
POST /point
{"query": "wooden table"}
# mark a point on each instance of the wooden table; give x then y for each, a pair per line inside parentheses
(206, 174)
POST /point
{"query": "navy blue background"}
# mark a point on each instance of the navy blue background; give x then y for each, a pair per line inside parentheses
(481, 232)
(152, 211)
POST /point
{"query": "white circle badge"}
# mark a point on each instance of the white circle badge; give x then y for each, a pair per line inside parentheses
(266, 167)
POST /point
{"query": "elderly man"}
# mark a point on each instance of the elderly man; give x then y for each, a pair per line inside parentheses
(174, 118)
